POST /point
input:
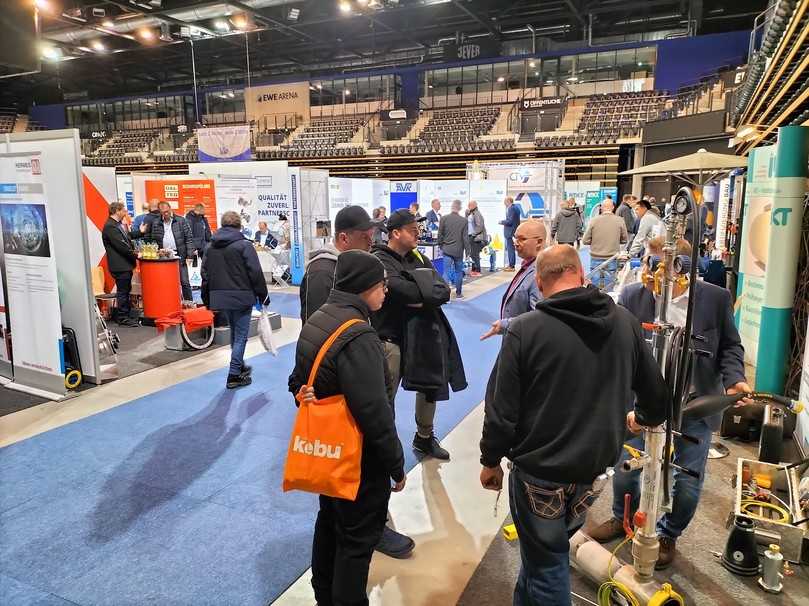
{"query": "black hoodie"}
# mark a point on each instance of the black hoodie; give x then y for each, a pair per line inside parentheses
(231, 273)
(557, 398)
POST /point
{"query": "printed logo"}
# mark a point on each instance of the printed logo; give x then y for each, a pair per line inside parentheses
(36, 167)
(316, 449)
(780, 216)
(282, 96)
(172, 191)
(468, 51)
(404, 187)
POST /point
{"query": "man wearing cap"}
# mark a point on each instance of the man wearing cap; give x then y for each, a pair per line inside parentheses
(353, 230)
(347, 532)
(409, 298)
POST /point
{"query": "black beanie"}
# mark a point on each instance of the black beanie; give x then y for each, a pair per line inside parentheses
(357, 271)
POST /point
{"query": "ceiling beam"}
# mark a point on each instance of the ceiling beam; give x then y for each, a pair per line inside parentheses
(399, 32)
(258, 14)
(476, 17)
(576, 12)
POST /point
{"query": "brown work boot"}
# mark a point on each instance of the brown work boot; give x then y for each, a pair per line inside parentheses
(668, 549)
(608, 531)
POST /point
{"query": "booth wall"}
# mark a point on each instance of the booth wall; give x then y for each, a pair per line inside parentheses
(61, 168)
(100, 189)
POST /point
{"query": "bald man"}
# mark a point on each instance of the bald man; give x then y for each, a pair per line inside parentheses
(605, 234)
(522, 295)
(556, 406)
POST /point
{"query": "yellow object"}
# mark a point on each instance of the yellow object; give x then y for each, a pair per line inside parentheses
(633, 452)
(798, 408)
(510, 532)
(747, 504)
(497, 243)
(608, 588)
(72, 379)
(763, 480)
(665, 596)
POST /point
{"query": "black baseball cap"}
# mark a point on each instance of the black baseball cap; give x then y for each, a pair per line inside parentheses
(646, 204)
(398, 219)
(351, 218)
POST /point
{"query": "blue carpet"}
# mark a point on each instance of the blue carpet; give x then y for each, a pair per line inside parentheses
(175, 498)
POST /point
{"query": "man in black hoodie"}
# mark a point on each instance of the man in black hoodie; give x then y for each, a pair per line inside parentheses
(346, 532)
(232, 282)
(562, 427)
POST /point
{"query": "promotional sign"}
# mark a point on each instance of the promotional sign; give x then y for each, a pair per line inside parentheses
(290, 99)
(403, 194)
(722, 213)
(30, 275)
(344, 191)
(465, 51)
(445, 191)
(239, 193)
(297, 257)
(578, 190)
(225, 143)
(184, 194)
(592, 199)
(537, 187)
(125, 193)
(100, 190)
(542, 103)
(773, 214)
(381, 194)
(489, 196)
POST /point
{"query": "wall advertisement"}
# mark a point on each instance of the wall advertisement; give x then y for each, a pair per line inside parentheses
(30, 276)
(224, 143)
(489, 196)
(537, 187)
(297, 257)
(291, 99)
(239, 194)
(346, 192)
(403, 194)
(773, 214)
(184, 194)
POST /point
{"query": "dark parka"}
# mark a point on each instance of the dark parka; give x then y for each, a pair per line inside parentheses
(200, 230)
(231, 273)
(182, 235)
(354, 367)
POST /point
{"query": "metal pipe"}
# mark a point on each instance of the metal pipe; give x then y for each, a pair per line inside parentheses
(194, 75)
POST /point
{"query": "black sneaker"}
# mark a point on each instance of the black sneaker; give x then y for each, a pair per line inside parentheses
(235, 381)
(395, 544)
(430, 447)
(127, 321)
(246, 370)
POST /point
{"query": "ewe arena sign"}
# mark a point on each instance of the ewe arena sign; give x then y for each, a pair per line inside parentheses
(277, 100)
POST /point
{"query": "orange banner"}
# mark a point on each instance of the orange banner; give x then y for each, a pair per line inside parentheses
(184, 194)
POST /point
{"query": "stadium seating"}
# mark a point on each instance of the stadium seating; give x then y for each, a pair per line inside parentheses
(455, 130)
(7, 122)
(614, 115)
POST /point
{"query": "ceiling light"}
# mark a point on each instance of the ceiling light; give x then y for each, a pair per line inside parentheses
(43, 5)
(293, 14)
(146, 34)
(572, 79)
(536, 73)
(52, 52)
(239, 22)
(532, 64)
(221, 25)
(374, 4)
(108, 23)
(640, 63)
(98, 45)
(345, 7)
(501, 79)
(319, 86)
(348, 92)
(231, 94)
(549, 82)
(429, 86)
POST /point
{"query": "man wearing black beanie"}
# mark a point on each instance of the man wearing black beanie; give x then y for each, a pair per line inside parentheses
(346, 532)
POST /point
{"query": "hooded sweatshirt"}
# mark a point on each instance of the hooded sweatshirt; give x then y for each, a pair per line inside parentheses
(231, 273)
(567, 226)
(566, 375)
(318, 280)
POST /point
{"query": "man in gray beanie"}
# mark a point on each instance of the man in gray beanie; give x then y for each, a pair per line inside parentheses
(347, 532)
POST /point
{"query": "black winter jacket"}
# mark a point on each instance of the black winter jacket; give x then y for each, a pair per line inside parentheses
(121, 255)
(200, 230)
(355, 368)
(231, 273)
(318, 280)
(182, 235)
(402, 292)
(557, 399)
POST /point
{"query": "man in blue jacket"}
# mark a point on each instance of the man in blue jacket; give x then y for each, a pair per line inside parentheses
(510, 225)
(232, 282)
(200, 230)
(719, 370)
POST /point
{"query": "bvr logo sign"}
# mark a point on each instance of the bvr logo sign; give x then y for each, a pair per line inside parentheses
(780, 216)
(404, 187)
(316, 449)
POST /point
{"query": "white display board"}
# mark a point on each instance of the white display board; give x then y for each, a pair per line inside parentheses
(537, 186)
(60, 156)
(490, 196)
(578, 190)
(381, 194)
(238, 193)
(445, 191)
(345, 191)
(31, 279)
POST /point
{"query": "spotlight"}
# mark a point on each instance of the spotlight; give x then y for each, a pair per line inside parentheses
(532, 64)
(52, 52)
(319, 87)
(43, 5)
(345, 7)
(146, 34)
(231, 94)
(239, 22)
(501, 79)
(536, 73)
(640, 63)
(348, 92)
(108, 23)
(293, 14)
(221, 25)
(98, 46)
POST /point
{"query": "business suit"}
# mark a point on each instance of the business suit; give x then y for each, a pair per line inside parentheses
(510, 226)
(520, 297)
(719, 368)
(121, 261)
(433, 219)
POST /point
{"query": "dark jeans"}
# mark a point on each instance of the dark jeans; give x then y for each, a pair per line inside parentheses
(546, 514)
(185, 283)
(239, 321)
(123, 288)
(511, 254)
(346, 533)
(686, 490)
(453, 272)
(475, 247)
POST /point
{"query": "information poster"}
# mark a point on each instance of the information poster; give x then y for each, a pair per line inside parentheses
(537, 187)
(184, 194)
(403, 194)
(381, 194)
(347, 192)
(239, 193)
(297, 259)
(224, 143)
(5, 335)
(489, 196)
(31, 279)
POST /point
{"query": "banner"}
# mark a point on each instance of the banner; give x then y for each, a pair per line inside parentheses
(297, 260)
(224, 143)
(184, 194)
(403, 194)
(381, 194)
(126, 193)
(344, 191)
(30, 274)
(773, 214)
(490, 195)
(282, 101)
(537, 187)
(100, 191)
(239, 193)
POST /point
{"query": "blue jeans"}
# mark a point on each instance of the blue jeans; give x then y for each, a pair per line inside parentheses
(605, 278)
(511, 254)
(239, 321)
(546, 514)
(453, 272)
(686, 491)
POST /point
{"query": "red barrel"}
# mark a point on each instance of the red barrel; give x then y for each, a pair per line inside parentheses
(160, 285)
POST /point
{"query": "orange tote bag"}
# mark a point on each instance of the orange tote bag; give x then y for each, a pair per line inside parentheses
(325, 450)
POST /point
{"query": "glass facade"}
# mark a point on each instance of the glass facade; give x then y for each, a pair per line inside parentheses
(365, 89)
(145, 112)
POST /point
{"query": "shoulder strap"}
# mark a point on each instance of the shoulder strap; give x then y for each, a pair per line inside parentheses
(327, 345)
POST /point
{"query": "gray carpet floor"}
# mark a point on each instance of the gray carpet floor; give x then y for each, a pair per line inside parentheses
(696, 573)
